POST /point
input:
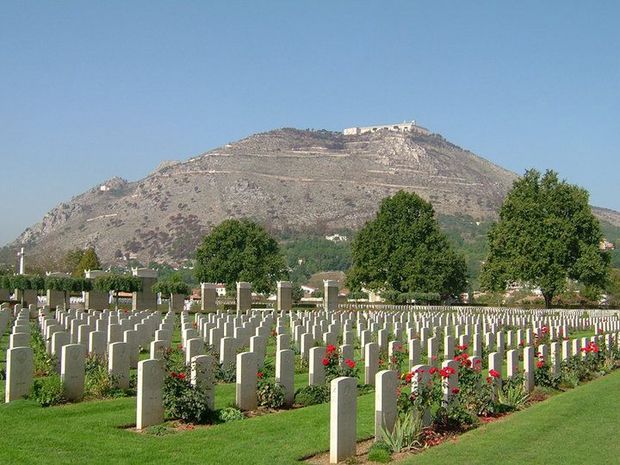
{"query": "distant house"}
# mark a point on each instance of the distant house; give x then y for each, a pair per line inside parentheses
(308, 290)
(606, 245)
(220, 289)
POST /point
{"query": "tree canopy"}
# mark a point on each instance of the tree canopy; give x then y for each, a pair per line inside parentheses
(67, 284)
(168, 287)
(404, 250)
(23, 282)
(117, 283)
(546, 235)
(88, 261)
(240, 250)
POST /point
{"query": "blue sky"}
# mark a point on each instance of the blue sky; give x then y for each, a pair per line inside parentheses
(90, 90)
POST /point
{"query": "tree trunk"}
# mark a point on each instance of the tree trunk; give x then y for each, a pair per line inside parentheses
(548, 298)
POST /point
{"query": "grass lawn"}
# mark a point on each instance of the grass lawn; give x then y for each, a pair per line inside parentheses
(575, 427)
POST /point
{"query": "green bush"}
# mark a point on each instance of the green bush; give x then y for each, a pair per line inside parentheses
(513, 395)
(98, 382)
(312, 395)
(380, 452)
(44, 364)
(229, 414)
(406, 433)
(226, 375)
(184, 401)
(270, 395)
(48, 391)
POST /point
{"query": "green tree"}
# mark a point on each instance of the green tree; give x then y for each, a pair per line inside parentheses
(88, 261)
(404, 250)
(297, 293)
(67, 284)
(171, 286)
(613, 287)
(117, 283)
(72, 259)
(23, 282)
(240, 250)
(546, 235)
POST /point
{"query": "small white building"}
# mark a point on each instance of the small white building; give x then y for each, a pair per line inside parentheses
(220, 290)
(406, 126)
(336, 238)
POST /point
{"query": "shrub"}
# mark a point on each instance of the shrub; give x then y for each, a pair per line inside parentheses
(513, 395)
(269, 368)
(186, 402)
(44, 364)
(98, 382)
(398, 357)
(335, 366)
(406, 433)
(312, 395)
(380, 452)
(230, 414)
(543, 376)
(365, 389)
(225, 375)
(270, 395)
(474, 395)
(48, 391)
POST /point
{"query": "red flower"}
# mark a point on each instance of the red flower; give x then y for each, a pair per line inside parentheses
(325, 362)
(173, 374)
(540, 364)
(494, 373)
(455, 390)
(350, 363)
(462, 347)
(432, 370)
(181, 376)
(408, 377)
(260, 375)
(331, 348)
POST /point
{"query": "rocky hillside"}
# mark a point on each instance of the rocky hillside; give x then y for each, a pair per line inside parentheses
(289, 180)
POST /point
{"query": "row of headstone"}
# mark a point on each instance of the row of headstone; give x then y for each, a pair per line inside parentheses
(343, 438)
(284, 298)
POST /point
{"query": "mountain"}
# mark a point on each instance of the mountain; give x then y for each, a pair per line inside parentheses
(290, 180)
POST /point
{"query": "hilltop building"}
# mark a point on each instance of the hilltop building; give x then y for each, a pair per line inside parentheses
(406, 126)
